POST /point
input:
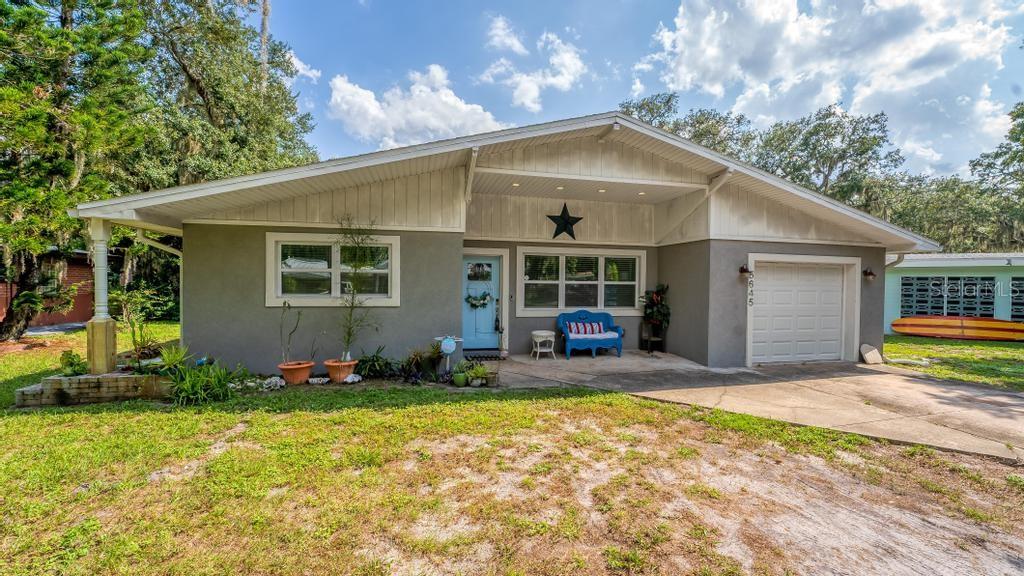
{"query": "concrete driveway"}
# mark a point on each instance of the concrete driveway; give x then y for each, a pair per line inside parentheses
(881, 402)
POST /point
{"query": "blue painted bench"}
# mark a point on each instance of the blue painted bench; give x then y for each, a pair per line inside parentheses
(584, 337)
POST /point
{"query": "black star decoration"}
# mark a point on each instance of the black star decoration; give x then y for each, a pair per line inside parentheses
(564, 222)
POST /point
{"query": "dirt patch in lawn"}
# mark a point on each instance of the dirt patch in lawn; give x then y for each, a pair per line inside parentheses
(633, 500)
(34, 343)
(189, 468)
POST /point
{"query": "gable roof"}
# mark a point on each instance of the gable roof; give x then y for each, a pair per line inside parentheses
(165, 209)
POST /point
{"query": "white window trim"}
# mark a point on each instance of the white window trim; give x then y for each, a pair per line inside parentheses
(273, 272)
(522, 251)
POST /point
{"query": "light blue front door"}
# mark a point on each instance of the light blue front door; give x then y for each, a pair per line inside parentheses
(481, 301)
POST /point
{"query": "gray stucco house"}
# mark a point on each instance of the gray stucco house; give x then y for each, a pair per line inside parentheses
(474, 216)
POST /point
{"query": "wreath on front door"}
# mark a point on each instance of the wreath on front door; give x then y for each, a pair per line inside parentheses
(480, 301)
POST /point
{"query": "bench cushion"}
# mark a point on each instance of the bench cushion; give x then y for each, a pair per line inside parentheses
(596, 336)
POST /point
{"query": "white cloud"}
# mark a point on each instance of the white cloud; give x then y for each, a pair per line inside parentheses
(564, 70)
(914, 59)
(637, 89)
(923, 150)
(500, 36)
(303, 70)
(428, 110)
(991, 116)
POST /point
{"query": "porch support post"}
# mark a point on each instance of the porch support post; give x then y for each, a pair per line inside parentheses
(101, 330)
(470, 172)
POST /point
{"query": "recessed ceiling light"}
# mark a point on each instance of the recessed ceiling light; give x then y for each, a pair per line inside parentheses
(641, 193)
(515, 184)
(559, 187)
(601, 190)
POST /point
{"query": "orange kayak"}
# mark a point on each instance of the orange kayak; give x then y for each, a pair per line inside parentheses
(960, 327)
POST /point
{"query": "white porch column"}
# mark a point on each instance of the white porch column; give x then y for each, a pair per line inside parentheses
(99, 232)
(101, 330)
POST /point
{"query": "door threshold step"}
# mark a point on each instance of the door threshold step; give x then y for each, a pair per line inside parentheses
(482, 354)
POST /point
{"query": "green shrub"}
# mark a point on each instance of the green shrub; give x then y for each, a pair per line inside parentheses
(477, 371)
(72, 364)
(417, 366)
(174, 357)
(463, 366)
(1016, 481)
(375, 365)
(201, 384)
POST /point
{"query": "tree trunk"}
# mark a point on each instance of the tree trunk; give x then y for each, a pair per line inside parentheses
(265, 45)
(15, 321)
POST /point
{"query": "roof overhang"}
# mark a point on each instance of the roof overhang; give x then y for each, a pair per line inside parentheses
(980, 260)
(165, 210)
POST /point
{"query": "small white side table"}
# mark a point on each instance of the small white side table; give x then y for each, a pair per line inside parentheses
(543, 343)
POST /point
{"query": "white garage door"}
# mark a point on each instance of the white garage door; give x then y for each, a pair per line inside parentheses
(797, 312)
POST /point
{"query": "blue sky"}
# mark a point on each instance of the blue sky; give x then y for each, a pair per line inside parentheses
(379, 74)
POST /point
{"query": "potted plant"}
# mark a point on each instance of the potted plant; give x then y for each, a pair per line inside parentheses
(358, 257)
(492, 378)
(477, 375)
(294, 371)
(459, 377)
(656, 310)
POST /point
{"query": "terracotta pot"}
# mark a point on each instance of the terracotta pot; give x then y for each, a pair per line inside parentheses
(338, 370)
(296, 372)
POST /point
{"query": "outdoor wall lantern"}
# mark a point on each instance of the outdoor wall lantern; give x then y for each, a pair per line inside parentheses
(744, 270)
(869, 274)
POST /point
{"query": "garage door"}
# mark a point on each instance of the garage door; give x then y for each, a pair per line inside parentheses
(797, 312)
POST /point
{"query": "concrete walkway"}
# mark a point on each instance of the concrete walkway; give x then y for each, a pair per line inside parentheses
(882, 402)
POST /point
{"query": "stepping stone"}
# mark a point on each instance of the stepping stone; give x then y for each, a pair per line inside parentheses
(870, 354)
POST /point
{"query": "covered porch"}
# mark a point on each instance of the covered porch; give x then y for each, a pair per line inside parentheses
(525, 371)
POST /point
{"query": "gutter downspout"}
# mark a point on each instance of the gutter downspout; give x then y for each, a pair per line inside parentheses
(896, 262)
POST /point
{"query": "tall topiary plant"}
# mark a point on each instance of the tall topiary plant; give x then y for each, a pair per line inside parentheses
(359, 257)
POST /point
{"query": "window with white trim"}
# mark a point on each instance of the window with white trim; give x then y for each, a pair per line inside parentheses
(553, 280)
(315, 270)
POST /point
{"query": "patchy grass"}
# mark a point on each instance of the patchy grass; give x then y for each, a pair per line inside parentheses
(999, 364)
(383, 479)
(27, 367)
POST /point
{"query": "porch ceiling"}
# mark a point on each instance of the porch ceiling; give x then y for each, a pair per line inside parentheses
(573, 187)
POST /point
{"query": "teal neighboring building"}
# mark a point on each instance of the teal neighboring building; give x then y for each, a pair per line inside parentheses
(976, 285)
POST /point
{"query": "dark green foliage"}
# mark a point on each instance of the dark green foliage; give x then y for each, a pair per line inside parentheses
(376, 365)
(72, 364)
(656, 310)
(101, 98)
(192, 385)
(70, 87)
(419, 365)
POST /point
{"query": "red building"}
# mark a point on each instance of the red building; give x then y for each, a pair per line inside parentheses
(74, 269)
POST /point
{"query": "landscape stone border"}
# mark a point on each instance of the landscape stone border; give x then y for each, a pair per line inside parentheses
(93, 389)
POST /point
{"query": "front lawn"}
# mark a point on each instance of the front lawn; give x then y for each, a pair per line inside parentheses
(426, 481)
(394, 479)
(998, 364)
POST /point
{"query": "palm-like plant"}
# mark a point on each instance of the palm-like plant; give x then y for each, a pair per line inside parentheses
(360, 256)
